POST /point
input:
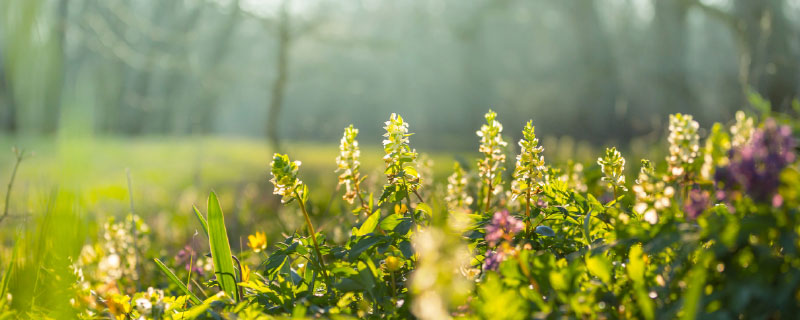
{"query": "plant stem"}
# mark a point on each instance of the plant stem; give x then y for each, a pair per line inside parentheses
(19, 156)
(528, 206)
(488, 196)
(408, 198)
(313, 237)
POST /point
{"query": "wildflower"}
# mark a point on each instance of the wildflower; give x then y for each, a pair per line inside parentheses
(756, 166)
(144, 306)
(683, 145)
(715, 152)
(401, 176)
(493, 259)
(284, 177)
(491, 145)
(457, 196)
(652, 195)
(393, 263)
(742, 130)
(573, 176)
(348, 165)
(189, 258)
(529, 166)
(119, 305)
(257, 241)
(697, 202)
(613, 165)
(246, 273)
(502, 227)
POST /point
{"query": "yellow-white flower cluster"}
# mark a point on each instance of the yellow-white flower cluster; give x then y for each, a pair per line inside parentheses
(742, 130)
(398, 153)
(530, 164)
(652, 195)
(491, 145)
(457, 196)
(347, 164)
(684, 145)
(613, 166)
(284, 177)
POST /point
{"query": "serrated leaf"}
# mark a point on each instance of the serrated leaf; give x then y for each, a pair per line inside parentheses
(545, 231)
(220, 248)
(172, 277)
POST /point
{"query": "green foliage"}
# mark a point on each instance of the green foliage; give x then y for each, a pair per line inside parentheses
(703, 251)
(220, 248)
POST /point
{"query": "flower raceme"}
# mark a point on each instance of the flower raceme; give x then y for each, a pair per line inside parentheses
(652, 194)
(284, 177)
(491, 145)
(684, 145)
(756, 166)
(347, 164)
(457, 196)
(502, 227)
(529, 166)
(401, 176)
(613, 165)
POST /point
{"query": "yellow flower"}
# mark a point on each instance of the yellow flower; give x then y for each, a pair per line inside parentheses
(119, 305)
(245, 273)
(257, 242)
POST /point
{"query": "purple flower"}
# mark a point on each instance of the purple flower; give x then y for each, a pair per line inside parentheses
(503, 226)
(755, 168)
(697, 202)
(188, 258)
(493, 260)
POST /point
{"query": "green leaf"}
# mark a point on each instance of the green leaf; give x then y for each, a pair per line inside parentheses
(220, 248)
(362, 245)
(9, 270)
(391, 221)
(586, 230)
(369, 225)
(172, 277)
(694, 293)
(424, 207)
(202, 219)
(545, 231)
(599, 267)
(636, 270)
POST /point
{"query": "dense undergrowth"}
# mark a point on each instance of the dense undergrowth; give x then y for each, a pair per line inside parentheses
(711, 230)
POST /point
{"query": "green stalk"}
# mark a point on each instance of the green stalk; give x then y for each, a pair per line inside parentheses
(313, 237)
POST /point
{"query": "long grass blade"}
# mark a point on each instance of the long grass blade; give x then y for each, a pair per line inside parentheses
(172, 277)
(220, 248)
(202, 219)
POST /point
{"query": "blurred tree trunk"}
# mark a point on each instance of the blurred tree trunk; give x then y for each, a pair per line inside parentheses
(54, 104)
(8, 111)
(209, 97)
(281, 78)
(598, 80)
(670, 43)
(769, 61)
(771, 50)
(474, 56)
